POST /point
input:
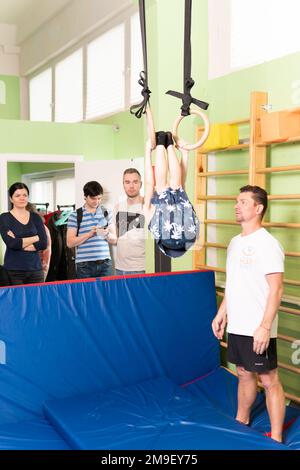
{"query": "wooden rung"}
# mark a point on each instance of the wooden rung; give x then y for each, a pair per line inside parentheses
(231, 148)
(217, 198)
(292, 253)
(289, 339)
(293, 311)
(291, 282)
(220, 222)
(236, 122)
(280, 224)
(275, 197)
(264, 224)
(223, 173)
(215, 245)
(271, 197)
(211, 268)
(295, 370)
(276, 169)
(291, 140)
(289, 396)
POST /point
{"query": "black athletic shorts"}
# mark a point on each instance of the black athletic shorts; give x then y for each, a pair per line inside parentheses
(240, 352)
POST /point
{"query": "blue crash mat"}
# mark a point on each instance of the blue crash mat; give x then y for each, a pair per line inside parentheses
(219, 388)
(155, 414)
(35, 434)
(115, 332)
(292, 435)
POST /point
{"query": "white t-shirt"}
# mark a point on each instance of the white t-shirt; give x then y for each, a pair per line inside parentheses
(130, 227)
(249, 259)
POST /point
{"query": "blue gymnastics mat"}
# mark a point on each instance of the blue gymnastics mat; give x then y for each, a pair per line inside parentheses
(156, 414)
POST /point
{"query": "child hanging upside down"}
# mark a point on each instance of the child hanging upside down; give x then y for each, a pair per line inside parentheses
(171, 216)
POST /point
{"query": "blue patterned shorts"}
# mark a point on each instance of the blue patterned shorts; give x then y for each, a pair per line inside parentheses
(174, 225)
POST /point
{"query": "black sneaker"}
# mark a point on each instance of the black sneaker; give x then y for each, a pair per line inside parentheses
(169, 139)
(160, 138)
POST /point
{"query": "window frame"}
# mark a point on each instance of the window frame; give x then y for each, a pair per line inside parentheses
(123, 17)
(52, 175)
(219, 42)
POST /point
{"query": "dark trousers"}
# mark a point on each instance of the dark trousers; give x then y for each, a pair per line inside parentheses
(99, 268)
(18, 278)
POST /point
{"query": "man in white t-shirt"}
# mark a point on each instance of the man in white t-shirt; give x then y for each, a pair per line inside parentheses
(254, 286)
(130, 222)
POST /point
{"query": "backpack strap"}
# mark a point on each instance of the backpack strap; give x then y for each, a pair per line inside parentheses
(105, 213)
(79, 212)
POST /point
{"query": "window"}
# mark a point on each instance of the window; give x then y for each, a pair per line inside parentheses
(40, 96)
(69, 89)
(136, 61)
(41, 191)
(105, 74)
(243, 33)
(55, 187)
(262, 30)
(99, 79)
(65, 191)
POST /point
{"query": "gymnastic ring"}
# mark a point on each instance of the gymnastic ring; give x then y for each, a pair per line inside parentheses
(203, 136)
(150, 128)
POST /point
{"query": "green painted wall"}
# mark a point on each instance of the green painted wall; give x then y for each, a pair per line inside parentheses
(28, 168)
(15, 170)
(128, 135)
(14, 173)
(9, 97)
(93, 141)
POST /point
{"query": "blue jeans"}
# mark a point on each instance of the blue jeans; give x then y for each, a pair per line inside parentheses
(99, 268)
(119, 272)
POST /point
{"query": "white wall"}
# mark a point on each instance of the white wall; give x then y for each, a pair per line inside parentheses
(74, 22)
(9, 53)
(109, 173)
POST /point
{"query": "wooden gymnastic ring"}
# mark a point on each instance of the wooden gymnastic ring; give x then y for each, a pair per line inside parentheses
(202, 138)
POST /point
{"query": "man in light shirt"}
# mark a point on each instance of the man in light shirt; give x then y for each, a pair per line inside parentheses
(129, 223)
(91, 237)
(254, 286)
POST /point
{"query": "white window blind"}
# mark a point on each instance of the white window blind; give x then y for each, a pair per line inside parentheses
(69, 88)
(105, 74)
(40, 96)
(42, 191)
(136, 59)
(65, 191)
(263, 30)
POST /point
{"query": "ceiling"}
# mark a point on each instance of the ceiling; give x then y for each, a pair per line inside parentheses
(29, 15)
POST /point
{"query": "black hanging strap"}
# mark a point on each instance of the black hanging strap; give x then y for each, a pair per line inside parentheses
(139, 109)
(188, 82)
